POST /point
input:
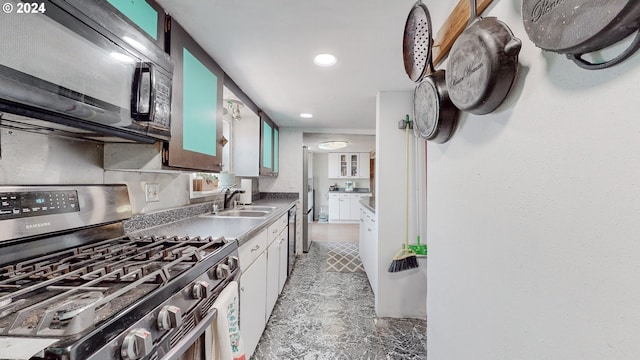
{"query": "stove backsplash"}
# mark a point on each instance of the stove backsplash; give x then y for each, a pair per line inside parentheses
(36, 159)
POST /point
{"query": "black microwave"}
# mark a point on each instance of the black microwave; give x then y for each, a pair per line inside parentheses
(78, 68)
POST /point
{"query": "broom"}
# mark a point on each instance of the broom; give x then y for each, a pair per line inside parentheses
(405, 259)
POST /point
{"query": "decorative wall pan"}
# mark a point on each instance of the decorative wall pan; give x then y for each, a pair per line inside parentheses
(416, 47)
(483, 63)
(578, 27)
(435, 117)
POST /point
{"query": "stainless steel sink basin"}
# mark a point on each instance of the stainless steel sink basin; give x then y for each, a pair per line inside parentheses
(256, 208)
(242, 213)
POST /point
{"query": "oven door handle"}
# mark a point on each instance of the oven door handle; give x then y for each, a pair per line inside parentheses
(187, 341)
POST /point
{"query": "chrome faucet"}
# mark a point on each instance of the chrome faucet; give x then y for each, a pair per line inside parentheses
(228, 195)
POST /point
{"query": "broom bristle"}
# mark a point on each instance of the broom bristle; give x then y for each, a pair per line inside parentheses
(405, 259)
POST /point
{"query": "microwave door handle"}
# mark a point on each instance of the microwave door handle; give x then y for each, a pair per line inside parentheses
(142, 96)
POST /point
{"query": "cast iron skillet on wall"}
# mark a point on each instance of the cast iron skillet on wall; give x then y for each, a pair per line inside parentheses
(483, 63)
(435, 117)
(578, 27)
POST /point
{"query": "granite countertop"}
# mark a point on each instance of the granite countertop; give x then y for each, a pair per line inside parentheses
(241, 229)
(355, 190)
(369, 203)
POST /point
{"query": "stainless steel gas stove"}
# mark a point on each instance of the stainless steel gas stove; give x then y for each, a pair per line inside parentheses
(74, 287)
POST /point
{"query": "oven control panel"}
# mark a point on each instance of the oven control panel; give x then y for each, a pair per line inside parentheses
(14, 205)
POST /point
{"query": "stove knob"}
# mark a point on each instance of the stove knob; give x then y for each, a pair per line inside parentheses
(232, 261)
(222, 271)
(136, 345)
(200, 290)
(170, 317)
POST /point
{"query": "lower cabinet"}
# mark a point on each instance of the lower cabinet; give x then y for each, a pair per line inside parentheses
(345, 207)
(253, 287)
(263, 261)
(284, 252)
(273, 268)
(276, 268)
(368, 245)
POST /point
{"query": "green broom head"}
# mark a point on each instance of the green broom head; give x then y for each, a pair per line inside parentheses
(404, 259)
(418, 248)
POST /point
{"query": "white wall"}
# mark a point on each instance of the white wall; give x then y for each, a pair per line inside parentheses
(533, 218)
(289, 178)
(400, 294)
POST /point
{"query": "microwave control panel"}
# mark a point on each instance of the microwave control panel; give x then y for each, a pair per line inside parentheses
(15, 205)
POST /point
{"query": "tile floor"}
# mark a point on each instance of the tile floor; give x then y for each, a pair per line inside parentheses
(330, 315)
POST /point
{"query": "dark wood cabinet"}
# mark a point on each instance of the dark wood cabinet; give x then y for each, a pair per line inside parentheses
(196, 116)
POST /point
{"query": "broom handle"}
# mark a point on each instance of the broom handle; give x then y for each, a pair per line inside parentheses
(406, 186)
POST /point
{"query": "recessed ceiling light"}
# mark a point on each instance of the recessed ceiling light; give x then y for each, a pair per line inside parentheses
(324, 60)
(306, 115)
(333, 145)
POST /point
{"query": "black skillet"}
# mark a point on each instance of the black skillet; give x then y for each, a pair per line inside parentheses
(483, 63)
(435, 117)
(577, 27)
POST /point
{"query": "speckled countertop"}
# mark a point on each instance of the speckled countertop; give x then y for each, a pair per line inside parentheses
(205, 224)
(369, 203)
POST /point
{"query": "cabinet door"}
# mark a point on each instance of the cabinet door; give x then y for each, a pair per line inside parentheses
(196, 116)
(253, 290)
(333, 160)
(284, 246)
(269, 140)
(273, 269)
(354, 208)
(334, 207)
(354, 170)
(147, 16)
(345, 206)
(364, 164)
(344, 165)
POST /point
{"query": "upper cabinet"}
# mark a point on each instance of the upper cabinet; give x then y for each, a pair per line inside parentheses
(196, 122)
(348, 165)
(146, 15)
(269, 146)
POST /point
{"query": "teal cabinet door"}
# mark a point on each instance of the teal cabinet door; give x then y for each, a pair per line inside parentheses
(147, 17)
(269, 147)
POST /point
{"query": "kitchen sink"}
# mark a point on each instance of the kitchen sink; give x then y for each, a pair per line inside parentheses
(256, 208)
(242, 213)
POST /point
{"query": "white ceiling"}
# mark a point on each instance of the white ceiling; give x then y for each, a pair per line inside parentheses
(267, 48)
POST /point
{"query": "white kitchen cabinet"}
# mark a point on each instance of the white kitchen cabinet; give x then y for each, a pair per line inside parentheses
(333, 171)
(348, 166)
(282, 272)
(344, 207)
(344, 202)
(273, 268)
(253, 287)
(276, 256)
(334, 207)
(368, 244)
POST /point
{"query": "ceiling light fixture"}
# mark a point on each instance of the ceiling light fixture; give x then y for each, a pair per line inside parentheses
(324, 60)
(306, 115)
(333, 145)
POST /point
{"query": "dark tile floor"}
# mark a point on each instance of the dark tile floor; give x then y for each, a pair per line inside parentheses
(330, 315)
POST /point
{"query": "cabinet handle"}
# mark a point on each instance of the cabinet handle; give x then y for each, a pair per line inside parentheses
(368, 229)
(242, 288)
(275, 231)
(255, 248)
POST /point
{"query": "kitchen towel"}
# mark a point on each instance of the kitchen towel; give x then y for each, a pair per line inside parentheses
(228, 342)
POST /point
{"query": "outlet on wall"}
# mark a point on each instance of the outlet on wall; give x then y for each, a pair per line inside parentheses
(152, 192)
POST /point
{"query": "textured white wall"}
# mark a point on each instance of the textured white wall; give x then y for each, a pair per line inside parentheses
(533, 218)
(401, 294)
